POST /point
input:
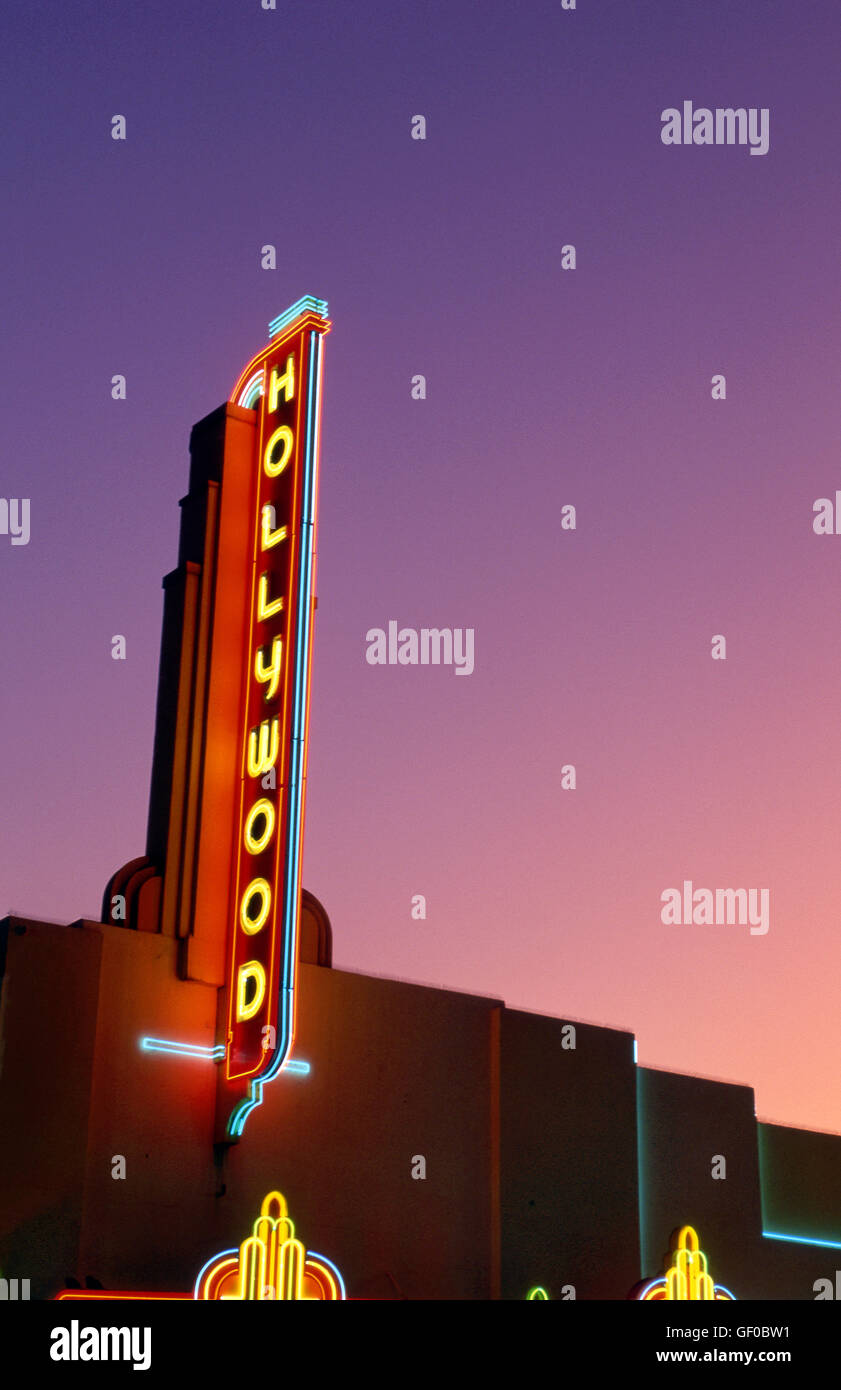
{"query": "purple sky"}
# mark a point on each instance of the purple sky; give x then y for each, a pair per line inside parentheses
(589, 387)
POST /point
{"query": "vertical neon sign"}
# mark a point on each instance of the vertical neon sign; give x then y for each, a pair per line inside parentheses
(284, 382)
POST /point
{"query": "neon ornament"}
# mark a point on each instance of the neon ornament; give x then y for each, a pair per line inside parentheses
(687, 1278)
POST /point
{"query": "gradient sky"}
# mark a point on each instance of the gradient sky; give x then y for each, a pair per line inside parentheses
(544, 388)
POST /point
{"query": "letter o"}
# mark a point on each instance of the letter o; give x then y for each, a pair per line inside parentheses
(256, 844)
(251, 925)
(273, 468)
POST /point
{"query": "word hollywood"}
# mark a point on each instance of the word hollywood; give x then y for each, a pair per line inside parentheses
(724, 126)
(708, 907)
(267, 881)
(432, 645)
(14, 519)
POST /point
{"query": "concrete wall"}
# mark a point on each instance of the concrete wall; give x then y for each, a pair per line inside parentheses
(568, 1159)
(47, 1035)
(684, 1122)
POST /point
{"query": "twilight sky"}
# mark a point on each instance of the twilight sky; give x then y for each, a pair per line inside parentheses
(545, 387)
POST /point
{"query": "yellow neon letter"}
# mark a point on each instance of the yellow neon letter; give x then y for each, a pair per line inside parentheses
(269, 673)
(256, 844)
(269, 537)
(263, 744)
(252, 970)
(285, 383)
(266, 607)
(251, 925)
(276, 466)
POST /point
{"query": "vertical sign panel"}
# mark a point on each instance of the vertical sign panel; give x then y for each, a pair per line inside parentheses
(266, 880)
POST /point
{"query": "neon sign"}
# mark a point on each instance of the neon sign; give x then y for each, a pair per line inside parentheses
(283, 382)
(687, 1278)
(271, 1265)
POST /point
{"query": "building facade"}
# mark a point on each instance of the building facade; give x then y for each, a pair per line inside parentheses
(163, 1069)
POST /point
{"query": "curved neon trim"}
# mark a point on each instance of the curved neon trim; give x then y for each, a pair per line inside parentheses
(322, 1259)
(307, 304)
(223, 1254)
(239, 1115)
(252, 390)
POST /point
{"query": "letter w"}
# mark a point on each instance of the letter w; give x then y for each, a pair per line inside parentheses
(260, 756)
